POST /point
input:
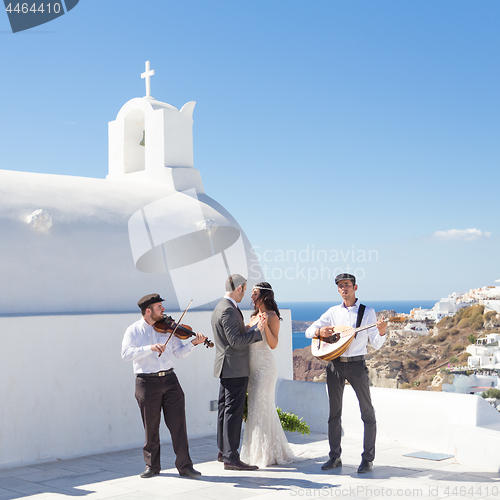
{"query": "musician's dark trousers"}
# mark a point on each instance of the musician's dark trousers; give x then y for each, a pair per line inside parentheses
(153, 395)
(232, 394)
(356, 373)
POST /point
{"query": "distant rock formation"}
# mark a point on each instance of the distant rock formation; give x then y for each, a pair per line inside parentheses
(382, 374)
(307, 367)
(300, 326)
(389, 374)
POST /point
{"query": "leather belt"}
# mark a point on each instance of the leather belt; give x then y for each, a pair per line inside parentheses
(351, 359)
(157, 374)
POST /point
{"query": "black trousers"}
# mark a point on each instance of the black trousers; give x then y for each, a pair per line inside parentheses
(232, 393)
(153, 395)
(356, 373)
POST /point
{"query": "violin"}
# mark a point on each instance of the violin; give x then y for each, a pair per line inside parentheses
(168, 325)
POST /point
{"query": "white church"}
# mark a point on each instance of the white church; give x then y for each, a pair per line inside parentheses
(75, 256)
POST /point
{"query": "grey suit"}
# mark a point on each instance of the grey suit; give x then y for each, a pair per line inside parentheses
(232, 367)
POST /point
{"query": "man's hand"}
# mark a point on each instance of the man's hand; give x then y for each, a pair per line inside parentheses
(199, 339)
(158, 348)
(382, 326)
(325, 331)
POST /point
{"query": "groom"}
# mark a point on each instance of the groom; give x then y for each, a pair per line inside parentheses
(233, 368)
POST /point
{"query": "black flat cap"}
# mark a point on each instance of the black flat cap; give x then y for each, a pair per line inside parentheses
(345, 276)
(147, 300)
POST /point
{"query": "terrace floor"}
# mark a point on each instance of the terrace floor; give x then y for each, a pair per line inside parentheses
(116, 476)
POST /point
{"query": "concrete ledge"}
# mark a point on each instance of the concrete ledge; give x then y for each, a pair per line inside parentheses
(463, 425)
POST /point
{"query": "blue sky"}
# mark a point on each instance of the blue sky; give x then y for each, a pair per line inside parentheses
(339, 128)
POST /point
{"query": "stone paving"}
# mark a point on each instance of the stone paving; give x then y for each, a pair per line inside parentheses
(116, 476)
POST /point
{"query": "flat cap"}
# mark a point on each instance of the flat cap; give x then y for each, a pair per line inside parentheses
(345, 276)
(147, 300)
(234, 281)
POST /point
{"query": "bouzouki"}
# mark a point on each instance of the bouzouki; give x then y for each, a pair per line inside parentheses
(328, 348)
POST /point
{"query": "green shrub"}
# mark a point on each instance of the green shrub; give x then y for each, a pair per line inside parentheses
(291, 423)
(491, 393)
(453, 359)
(472, 339)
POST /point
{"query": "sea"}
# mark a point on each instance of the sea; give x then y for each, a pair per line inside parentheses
(311, 311)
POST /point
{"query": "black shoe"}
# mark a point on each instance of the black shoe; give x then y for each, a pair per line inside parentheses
(365, 466)
(332, 464)
(219, 457)
(149, 472)
(190, 472)
(239, 465)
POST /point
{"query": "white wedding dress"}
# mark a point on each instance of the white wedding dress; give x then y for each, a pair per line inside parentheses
(264, 441)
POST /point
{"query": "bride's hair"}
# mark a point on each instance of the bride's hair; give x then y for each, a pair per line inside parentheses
(267, 295)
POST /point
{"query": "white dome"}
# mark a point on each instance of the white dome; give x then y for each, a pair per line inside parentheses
(86, 260)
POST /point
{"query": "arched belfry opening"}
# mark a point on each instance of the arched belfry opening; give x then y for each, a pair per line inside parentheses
(153, 141)
(134, 144)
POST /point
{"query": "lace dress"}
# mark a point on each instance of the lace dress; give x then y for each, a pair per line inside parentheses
(264, 441)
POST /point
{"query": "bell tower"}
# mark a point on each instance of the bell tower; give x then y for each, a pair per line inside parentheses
(153, 141)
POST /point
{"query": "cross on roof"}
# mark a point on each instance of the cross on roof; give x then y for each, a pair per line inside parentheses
(147, 75)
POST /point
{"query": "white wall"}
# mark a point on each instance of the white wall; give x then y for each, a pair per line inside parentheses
(462, 425)
(66, 392)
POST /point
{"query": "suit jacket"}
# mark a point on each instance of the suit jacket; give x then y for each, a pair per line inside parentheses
(231, 341)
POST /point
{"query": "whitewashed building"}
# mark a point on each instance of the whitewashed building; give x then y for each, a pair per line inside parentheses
(416, 329)
(444, 307)
(485, 353)
(412, 329)
(471, 384)
(75, 256)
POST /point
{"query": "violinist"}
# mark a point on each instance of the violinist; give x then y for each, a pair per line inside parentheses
(157, 387)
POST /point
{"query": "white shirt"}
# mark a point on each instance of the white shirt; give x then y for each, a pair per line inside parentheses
(136, 346)
(342, 315)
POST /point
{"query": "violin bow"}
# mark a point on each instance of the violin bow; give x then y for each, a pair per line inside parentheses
(177, 324)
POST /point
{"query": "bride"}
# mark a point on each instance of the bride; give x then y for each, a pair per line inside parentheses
(264, 442)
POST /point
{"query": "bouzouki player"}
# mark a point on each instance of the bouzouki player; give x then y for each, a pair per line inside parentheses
(349, 366)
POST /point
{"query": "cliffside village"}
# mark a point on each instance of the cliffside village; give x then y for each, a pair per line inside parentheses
(483, 363)
(477, 366)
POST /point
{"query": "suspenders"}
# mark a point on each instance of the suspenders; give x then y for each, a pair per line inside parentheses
(361, 311)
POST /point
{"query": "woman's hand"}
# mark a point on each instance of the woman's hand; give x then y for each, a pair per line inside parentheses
(262, 323)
